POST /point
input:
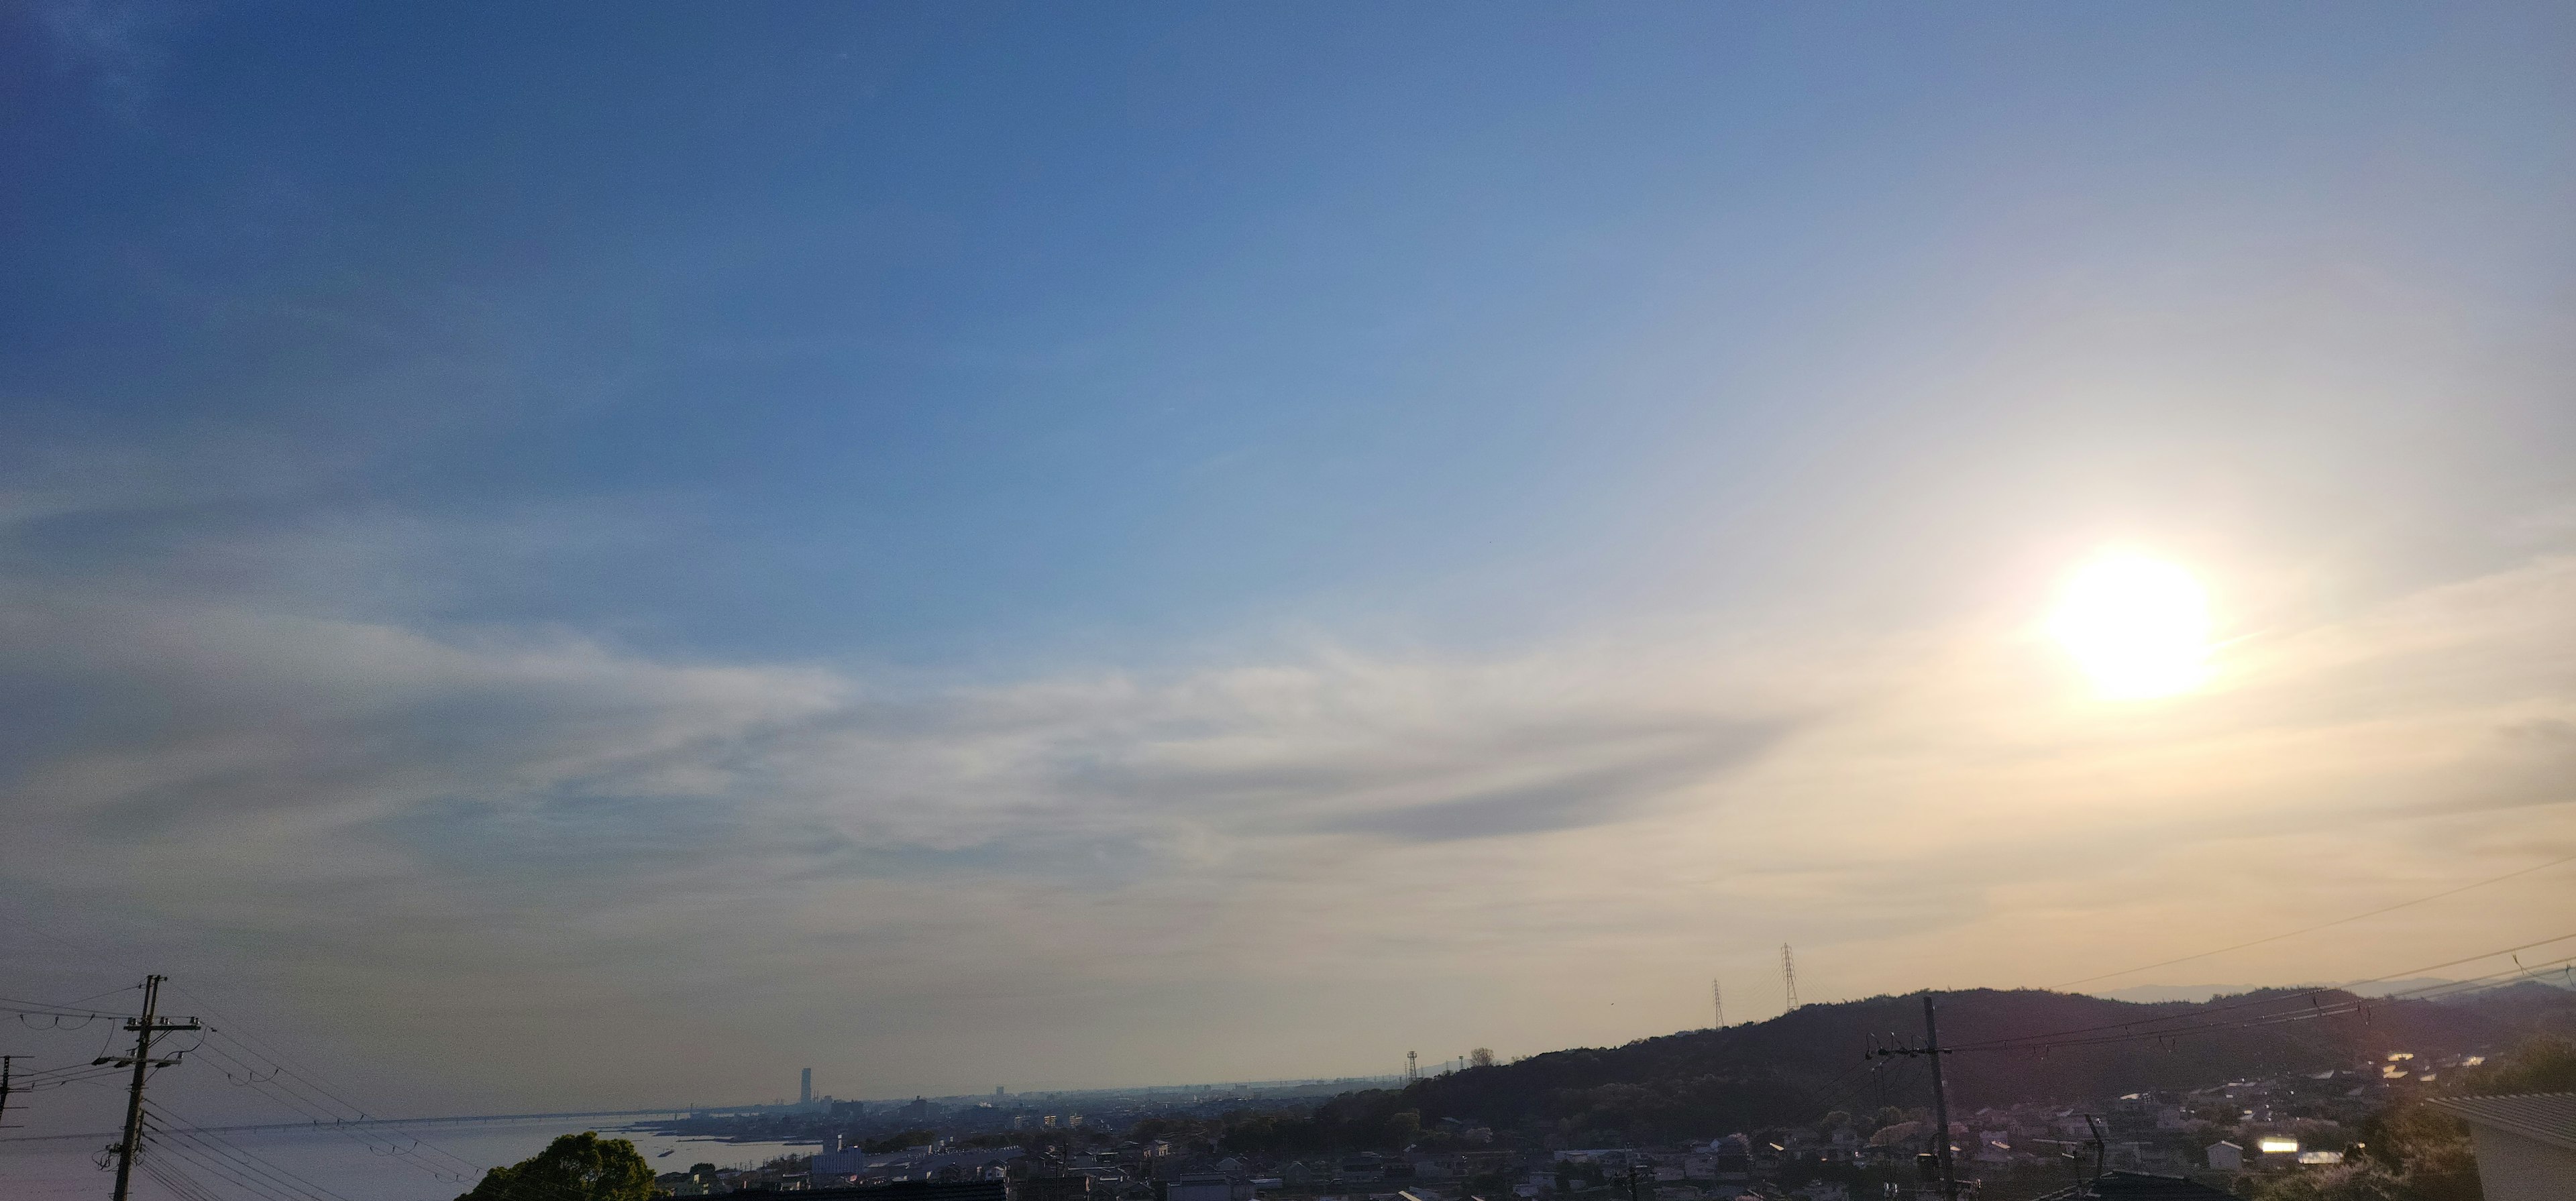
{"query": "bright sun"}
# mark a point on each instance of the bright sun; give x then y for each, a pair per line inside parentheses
(2138, 626)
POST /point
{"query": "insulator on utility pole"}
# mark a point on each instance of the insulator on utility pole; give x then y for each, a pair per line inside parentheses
(141, 1061)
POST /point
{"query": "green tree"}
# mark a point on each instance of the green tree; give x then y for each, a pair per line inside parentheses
(899, 1141)
(575, 1167)
(2545, 1064)
(2360, 1181)
(2424, 1148)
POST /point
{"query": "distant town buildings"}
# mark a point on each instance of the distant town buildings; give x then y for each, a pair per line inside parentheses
(1205, 1145)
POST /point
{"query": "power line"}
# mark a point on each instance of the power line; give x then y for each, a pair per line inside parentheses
(2181, 1017)
(246, 1179)
(144, 1028)
(250, 1162)
(2324, 925)
(2316, 1010)
(14, 1005)
(277, 1059)
(179, 1183)
(290, 1079)
(1931, 1051)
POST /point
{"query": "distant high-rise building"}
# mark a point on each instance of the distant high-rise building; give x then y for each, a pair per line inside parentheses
(805, 1088)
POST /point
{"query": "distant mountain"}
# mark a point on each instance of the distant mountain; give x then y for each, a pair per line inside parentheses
(2148, 994)
(1794, 1068)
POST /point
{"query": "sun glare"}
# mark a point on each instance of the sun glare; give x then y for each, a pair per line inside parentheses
(2138, 626)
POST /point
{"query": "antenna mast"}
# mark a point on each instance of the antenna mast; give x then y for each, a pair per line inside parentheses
(1789, 976)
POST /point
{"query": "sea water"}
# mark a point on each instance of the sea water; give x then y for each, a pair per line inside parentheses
(370, 1164)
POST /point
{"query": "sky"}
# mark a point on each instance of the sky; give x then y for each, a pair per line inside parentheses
(590, 555)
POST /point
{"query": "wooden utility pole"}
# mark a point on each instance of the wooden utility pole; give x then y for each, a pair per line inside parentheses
(1933, 1049)
(142, 1062)
(6, 1062)
(1940, 1103)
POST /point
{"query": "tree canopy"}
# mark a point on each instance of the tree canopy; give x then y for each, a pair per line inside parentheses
(575, 1167)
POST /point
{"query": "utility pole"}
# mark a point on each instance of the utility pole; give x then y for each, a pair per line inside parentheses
(1933, 1049)
(6, 1062)
(1789, 977)
(142, 1062)
(1717, 997)
(1940, 1102)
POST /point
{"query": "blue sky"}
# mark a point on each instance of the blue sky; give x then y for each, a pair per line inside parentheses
(869, 476)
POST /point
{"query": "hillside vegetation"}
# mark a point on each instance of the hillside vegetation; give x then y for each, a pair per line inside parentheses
(1793, 1069)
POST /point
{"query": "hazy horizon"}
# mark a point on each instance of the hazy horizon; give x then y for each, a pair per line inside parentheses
(560, 557)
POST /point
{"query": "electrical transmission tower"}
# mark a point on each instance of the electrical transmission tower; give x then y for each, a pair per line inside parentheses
(6, 1062)
(1717, 997)
(141, 1061)
(1789, 976)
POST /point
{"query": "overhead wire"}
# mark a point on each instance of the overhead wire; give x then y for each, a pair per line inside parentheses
(171, 1154)
(333, 1106)
(44, 1008)
(281, 1091)
(223, 1147)
(170, 1151)
(463, 1172)
(2314, 1010)
(38, 1082)
(2260, 1001)
(177, 1183)
(295, 1077)
(2326, 925)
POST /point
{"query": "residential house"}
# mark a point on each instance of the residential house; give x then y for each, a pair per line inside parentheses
(2526, 1143)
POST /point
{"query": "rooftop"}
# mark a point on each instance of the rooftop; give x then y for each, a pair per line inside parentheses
(2545, 1117)
(2138, 1186)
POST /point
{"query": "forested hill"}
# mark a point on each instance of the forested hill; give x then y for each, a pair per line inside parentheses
(1794, 1068)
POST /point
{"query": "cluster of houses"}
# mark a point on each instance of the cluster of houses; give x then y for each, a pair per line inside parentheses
(2214, 1135)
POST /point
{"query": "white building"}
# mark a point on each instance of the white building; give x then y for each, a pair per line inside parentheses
(2225, 1156)
(2526, 1144)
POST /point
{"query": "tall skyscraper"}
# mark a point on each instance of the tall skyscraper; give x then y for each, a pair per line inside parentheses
(805, 1088)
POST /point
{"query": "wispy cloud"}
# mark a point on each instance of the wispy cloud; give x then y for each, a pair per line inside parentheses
(532, 809)
(115, 45)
